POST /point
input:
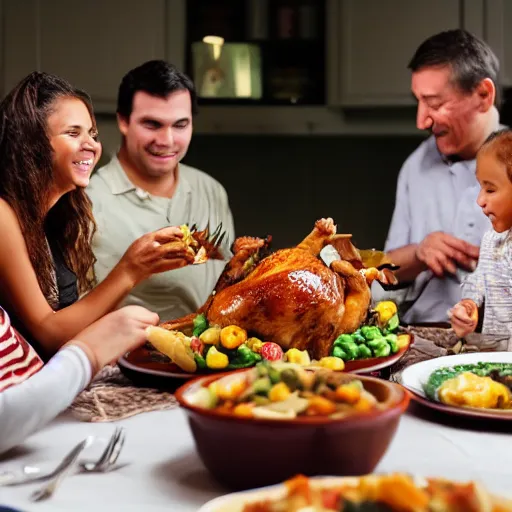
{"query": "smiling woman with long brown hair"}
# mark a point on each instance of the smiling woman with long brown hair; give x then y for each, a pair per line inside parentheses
(27, 181)
(48, 148)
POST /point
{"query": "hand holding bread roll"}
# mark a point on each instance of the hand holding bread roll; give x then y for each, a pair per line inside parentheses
(464, 317)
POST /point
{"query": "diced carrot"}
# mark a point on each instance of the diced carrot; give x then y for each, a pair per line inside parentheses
(320, 406)
(348, 393)
(243, 410)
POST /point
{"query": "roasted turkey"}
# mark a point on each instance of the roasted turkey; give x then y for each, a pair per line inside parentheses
(291, 296)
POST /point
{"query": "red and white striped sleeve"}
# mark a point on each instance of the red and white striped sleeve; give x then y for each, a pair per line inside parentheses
(18, 360)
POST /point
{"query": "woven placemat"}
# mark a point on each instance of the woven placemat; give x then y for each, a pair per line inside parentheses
(111, 397)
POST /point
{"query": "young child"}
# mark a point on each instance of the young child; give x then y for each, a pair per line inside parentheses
(491, 283)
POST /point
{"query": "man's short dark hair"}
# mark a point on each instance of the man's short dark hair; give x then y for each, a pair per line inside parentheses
(470, 58)
(155, 77)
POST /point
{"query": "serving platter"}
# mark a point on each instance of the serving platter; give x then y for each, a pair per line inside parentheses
(373, 364)
(416, 376)
(147, 368)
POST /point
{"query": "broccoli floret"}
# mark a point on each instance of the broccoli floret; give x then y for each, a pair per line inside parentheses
(371, 332)
(337, 351)
(343, 338)
(200, 324)
(380, 347)
(364, 352)
(350, 348)
(392, 341)
(358, 337)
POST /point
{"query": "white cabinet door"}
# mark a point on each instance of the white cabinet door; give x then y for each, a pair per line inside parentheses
(378, 39)
(92, 44)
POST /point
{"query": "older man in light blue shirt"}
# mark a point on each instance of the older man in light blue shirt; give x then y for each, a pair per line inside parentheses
(437, 226)
(434, 195)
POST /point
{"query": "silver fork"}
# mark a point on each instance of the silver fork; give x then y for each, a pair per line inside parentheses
(105, 462)
(109, 456)
(47, 490)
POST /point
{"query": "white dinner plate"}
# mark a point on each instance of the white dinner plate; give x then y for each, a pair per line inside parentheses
(235, 502)
(416, 376)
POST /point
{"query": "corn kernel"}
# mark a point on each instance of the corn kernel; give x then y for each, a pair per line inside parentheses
(279, 392)
(403, 341)
(210, 336)
(255, 344)
(243, 410)
(332, 363)
(216, 360)
(297, 356)
(385, 309)
(363, 405)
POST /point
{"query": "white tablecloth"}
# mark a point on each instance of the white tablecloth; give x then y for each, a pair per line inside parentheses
(165, 473)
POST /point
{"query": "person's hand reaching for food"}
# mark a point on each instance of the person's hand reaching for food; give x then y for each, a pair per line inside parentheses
(464, 317)
(110, 337)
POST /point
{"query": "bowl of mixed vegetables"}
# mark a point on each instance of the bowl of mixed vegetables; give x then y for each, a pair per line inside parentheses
(261, 425)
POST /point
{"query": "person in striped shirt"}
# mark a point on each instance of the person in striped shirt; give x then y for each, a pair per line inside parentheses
(489, 288)
(32, 394)
(18, 360)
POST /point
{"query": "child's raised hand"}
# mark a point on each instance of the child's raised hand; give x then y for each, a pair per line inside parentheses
(464, 317)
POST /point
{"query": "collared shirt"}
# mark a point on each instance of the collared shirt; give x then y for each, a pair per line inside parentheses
(124, 212)
(492, 282)
(433, 194)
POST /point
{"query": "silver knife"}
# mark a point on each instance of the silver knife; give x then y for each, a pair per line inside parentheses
(61, 471)
(31, 474)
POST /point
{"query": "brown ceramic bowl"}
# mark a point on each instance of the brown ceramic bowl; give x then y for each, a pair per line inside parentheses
(243, 453)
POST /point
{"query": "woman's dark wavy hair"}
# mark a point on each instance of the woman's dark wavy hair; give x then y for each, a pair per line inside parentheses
(26, 178)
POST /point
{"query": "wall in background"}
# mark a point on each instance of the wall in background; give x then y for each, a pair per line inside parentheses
(281, 185)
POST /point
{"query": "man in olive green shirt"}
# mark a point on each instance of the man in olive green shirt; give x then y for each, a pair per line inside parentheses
(145, 187)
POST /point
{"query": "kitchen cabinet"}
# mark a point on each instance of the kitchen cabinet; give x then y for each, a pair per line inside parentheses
(491, 20)
(368, 44)
(92, 44)
(376, 42)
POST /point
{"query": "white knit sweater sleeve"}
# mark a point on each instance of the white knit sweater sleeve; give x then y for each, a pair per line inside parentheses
(28, 406)
(473, 286)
